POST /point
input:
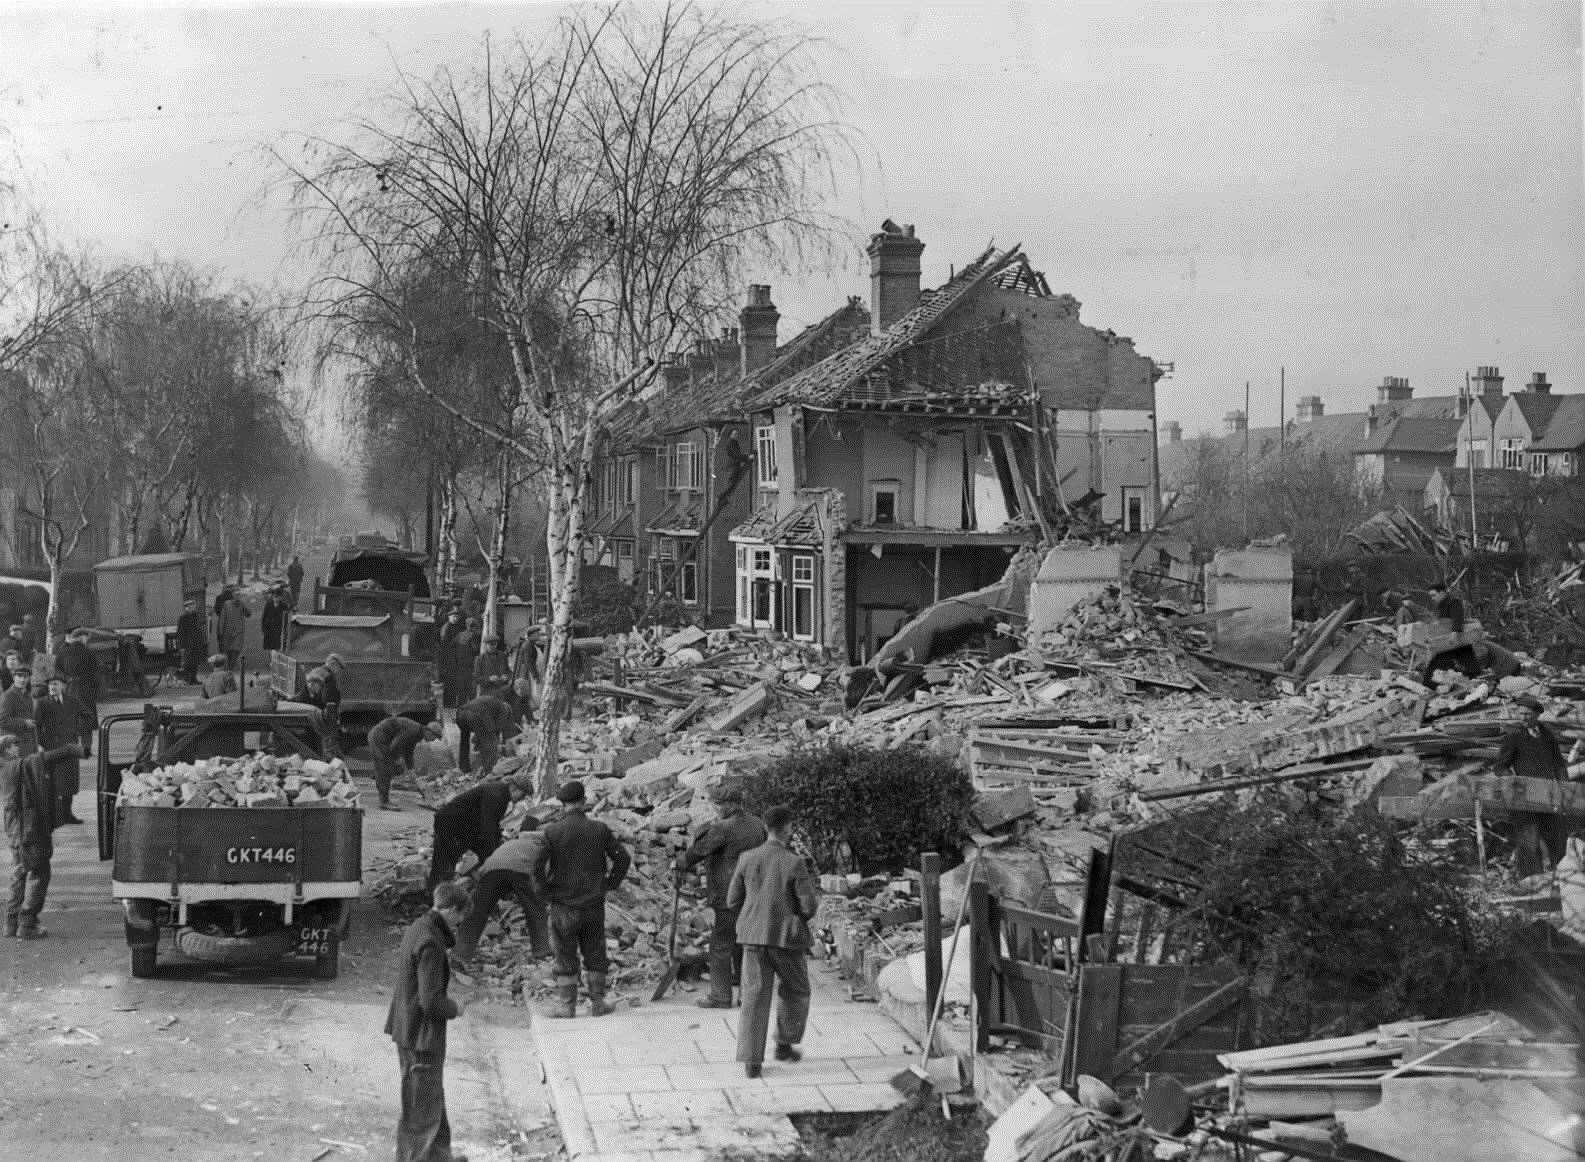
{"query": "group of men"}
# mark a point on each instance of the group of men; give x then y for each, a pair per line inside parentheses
(761, 891)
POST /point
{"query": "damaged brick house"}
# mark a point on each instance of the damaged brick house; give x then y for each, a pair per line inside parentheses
(909, 465)
(675, 472)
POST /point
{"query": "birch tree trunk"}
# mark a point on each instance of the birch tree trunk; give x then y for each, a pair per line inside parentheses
(446, 549)
(497, 554)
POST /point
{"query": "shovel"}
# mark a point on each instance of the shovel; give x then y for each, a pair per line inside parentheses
(669, 977)
(940, 1075)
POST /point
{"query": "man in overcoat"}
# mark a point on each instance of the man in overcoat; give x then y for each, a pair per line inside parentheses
(420, 1008)
(57, 716)
(775, 895)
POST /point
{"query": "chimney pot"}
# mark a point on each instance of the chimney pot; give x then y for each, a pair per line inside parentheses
(1310, 408)
(894, 274)
(1394, 388)
(1488, 381)
(1538, 384)
(1173, 431)
(1235, 421)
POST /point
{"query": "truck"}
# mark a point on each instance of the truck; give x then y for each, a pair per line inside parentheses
(371, 576)
(387, 666)
(143, 595)
(232, 881)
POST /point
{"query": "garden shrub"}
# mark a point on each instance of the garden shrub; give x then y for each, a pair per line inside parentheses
(864, 809)
(605, 605)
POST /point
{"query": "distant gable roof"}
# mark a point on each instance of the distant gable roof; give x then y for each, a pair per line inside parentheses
(1565, 430)
(1413, 434)
(1333, 434)
(1536, 409)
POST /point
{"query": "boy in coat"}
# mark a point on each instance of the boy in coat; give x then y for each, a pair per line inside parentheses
(775, 895)
(508, 872)
(416, 1021)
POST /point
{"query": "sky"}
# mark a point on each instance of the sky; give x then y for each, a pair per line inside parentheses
(1345, 191)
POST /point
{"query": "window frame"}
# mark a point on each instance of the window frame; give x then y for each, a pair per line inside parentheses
(767, 470)
(803, 598)
(892, 489)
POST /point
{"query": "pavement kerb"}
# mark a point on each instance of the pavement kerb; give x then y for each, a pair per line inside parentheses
(577, 1135)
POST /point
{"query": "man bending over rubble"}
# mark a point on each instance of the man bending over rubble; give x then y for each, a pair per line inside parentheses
(471, 821)
(580, 862)
(392, 743)
(509, 872)
(718, 846)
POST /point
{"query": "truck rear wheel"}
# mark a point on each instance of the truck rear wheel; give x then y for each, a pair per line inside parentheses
(144, 960)
(327, 964)
(236, 949)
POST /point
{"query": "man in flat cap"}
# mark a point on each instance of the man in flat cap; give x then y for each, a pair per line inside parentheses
(728, 836)
(579, 863)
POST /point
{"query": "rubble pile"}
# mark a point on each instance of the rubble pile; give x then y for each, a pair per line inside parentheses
(250, 781)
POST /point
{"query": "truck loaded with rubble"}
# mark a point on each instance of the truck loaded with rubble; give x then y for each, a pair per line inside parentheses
(228, 832)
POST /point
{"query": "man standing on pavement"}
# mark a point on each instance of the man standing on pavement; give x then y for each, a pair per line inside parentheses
(486, 720)
(28, 805)
(77, 664)
(732, 833)
(230, 626)
(776, 896)
(471, 821)
(294, 579)
(508, 872)
(392, 743)
(57, 717)
(1531, 750)
(580, 862)
(272, 620)
(192, 639)
(416, 1021)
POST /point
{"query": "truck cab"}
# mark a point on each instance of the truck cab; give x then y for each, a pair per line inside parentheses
(231, 884)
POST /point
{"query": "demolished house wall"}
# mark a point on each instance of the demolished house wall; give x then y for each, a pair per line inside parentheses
(1067, 577)
(1257, 582)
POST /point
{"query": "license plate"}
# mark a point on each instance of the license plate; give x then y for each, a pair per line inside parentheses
(313, 941)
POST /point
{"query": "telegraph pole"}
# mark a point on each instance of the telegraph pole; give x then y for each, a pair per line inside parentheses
(1469, 458)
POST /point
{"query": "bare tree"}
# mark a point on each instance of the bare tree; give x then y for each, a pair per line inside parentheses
(596, 193)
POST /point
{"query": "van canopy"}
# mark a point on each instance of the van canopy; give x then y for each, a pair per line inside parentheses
(146, 562)
(391, 569)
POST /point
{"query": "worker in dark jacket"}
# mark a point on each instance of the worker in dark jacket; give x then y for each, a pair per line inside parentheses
(420, 1008)
(294, 580)
(491, 669)
(508, 872)
(77, 664)
(1531, 750)
(485, 721)
(28, 804)
(391, 744)
(323, 693)
(57, 717)
(1446, 606)
(776, 894)
(192, 640)
(471, 821)
(16, 710)
(272, 620)
(718, 846)
(580, 862)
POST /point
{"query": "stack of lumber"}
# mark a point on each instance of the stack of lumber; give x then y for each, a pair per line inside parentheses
(1317, 1079)
(255, 780)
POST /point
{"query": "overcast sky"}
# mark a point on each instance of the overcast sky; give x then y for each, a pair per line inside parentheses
(1352, 190)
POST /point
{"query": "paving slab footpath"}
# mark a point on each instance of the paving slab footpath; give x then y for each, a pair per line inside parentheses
(660, 1083)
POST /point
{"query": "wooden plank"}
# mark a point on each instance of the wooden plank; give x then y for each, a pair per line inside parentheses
(678, 719)
(1095, 1024)
(1329, 629)
(1250, 1059)
(1329, 664)
(1290, 774)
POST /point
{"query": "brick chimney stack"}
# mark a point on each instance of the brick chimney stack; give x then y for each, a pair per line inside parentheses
(728, 356)
(1393, 389)
(1235, 421)
(701, 359)
(758, 320)
(1538, 384)
(1487, 381)
(675, 371)
(1310, 408)
(1172, 431)
(894, 274)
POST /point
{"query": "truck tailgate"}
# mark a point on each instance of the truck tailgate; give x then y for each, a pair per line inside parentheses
(238, 845)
